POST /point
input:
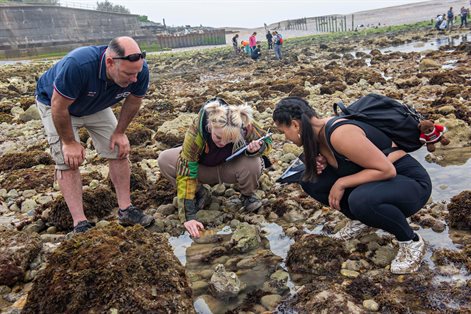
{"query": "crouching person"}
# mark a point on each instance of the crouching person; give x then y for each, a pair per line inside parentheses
(218, 131)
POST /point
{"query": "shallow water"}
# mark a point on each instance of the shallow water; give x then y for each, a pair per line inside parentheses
(9, 62)
(449, 179)
(434, 44)
(445, 185)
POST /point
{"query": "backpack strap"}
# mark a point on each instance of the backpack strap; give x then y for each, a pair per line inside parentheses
(330, 127)
(342, 107)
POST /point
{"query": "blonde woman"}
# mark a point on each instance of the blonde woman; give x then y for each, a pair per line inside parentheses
(218, 131)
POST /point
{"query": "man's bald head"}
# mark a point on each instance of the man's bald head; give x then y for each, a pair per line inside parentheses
(123, 46)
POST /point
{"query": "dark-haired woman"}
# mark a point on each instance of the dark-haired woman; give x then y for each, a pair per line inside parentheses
(371, 188)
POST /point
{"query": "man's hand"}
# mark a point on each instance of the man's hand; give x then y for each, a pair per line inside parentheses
(193, 227)
(74, 154)
(122, 141)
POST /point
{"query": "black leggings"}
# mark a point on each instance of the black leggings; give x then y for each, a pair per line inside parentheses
(380, 204)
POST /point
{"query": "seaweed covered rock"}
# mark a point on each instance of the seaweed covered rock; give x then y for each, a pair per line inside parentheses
(113, 269)
(24, 160)
(246, 238)
(315, 299)
(451, 258)
(17, 250)
(460, 211)
(39, 178)
(97, 204)
(138, 178)
(138, 134)
(158, 193)
(332, 87)
(317, 255)
(452, 77)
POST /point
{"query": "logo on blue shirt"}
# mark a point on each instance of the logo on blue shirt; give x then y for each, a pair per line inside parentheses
(91, 94)
(123, 95)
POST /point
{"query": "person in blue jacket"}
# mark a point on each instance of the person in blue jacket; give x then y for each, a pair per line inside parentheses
(256, 53)
(78, 91)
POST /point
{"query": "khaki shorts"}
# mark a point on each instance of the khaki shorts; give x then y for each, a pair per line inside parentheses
(100, 126)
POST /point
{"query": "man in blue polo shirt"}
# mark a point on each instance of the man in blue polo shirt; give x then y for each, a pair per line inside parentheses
(78, 91)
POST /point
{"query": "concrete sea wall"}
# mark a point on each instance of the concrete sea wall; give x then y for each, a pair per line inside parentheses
(32, 30)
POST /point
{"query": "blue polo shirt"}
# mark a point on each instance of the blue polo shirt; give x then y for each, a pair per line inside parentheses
(81, 76)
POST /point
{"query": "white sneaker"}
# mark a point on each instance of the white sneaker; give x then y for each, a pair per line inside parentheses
(408, 257)
(352, 229)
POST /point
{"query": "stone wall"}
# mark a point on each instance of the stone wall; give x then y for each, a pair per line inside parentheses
(32, 30)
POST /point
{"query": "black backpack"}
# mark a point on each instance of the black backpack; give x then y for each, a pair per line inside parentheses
(398, 121)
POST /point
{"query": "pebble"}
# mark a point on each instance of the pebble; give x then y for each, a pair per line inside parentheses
(52, 238)
(51, 230)
(349, 273)
(5, 289)
(44, 199)
(28, 205)
(270, 301)
(102, 224)
(13, 193)
(29, 193)
(14, 208)
(438, 226)
(371, 305)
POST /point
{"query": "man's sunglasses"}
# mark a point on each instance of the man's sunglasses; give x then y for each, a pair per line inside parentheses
(133, 57)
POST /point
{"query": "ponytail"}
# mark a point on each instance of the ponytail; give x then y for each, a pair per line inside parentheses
(296, 108)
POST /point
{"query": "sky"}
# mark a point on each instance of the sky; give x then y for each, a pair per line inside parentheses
(241, 13)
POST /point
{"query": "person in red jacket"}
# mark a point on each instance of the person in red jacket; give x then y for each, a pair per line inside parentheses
(253, 41)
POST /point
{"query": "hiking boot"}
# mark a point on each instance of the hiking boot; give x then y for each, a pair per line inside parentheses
(251, 203)
(202, 197)
(352, 229)
(408, 257)
(132, 216)
(82, 226)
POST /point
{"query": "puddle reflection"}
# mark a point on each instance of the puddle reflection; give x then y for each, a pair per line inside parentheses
(447, 180)
(179, 245)
(279, 242)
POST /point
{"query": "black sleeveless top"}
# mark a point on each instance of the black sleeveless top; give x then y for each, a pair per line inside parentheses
(376, 136)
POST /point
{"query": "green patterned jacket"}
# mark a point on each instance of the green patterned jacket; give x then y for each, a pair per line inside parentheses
(194, 145)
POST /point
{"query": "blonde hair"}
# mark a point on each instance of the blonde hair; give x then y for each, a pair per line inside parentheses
(231, 119)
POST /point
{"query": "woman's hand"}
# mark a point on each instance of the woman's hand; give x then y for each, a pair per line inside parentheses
(193, 227)
(336, 194)
(254, 146)
(321, 163)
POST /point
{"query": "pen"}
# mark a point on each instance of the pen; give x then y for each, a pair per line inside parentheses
(241, 150)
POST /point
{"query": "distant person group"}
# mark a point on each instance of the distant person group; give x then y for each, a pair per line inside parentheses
(446, 21)
(252, 47)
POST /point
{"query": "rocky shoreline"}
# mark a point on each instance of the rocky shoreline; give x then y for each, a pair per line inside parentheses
(233, 267)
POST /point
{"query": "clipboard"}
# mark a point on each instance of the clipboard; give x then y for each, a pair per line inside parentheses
(294, 172)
